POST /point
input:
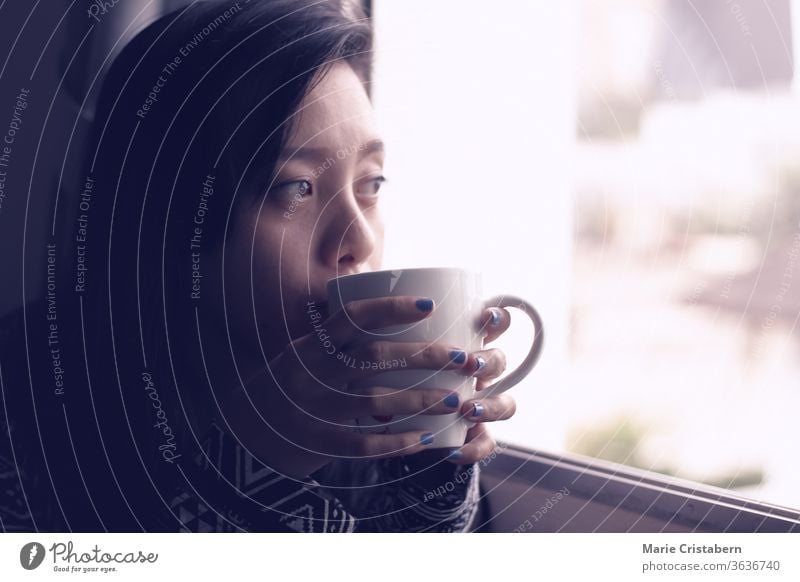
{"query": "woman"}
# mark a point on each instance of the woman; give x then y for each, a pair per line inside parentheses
(235, 167)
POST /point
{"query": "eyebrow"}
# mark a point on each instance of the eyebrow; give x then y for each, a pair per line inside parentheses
(316, 153)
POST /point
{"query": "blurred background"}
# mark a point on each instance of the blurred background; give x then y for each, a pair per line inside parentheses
(687, 242)
(630, 166)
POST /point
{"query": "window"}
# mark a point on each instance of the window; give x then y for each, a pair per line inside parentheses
(631, 167)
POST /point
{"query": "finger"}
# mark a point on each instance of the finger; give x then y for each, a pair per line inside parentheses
(494, 322)
(321, 356)
(376, 446)
(380, 401)
(479, 445)
(380, 356)
(356, 317)
(326, 375)
(500, 407)
(486, 365)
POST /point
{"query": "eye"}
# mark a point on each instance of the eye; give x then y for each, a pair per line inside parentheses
(295, 189)
(371, 187)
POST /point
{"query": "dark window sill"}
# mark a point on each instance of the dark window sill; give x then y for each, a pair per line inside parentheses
(521, 488)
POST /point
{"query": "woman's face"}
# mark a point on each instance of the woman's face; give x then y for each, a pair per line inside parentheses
(319, 220)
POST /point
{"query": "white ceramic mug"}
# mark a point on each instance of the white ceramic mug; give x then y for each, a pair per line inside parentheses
(455, 321)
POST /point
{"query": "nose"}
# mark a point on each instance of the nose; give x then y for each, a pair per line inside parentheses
(349, 238)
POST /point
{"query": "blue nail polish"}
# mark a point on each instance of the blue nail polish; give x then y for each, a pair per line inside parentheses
(495, 320)
(458, 356)
(424, 304)
(477, 409)
(451, 400)
(481, 363)
(426, 438)
(455, 454)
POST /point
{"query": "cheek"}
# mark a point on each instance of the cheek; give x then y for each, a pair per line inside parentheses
(378, 231)
(252, 254)
(278, 246)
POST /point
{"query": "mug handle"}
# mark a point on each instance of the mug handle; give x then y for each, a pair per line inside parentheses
(516, 375)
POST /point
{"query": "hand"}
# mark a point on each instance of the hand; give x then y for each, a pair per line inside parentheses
(294, 414)
(479, 443)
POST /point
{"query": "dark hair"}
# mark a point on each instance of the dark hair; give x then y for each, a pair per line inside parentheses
(209, 90)
(224, 111)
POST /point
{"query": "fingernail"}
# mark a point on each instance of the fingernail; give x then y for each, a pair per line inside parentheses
(477, 409)
(426, 438)
(451, 400)
(481, 363)
(424, 304)
(458, 356)
(495, 317)
(455, 454)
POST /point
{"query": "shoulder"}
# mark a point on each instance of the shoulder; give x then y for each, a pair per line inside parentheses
(24, 501)
(14, 515)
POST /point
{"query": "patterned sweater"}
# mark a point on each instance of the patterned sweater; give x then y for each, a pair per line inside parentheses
(228, 490)
(409, 496)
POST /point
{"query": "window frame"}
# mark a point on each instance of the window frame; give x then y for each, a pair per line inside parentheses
(611, 489)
